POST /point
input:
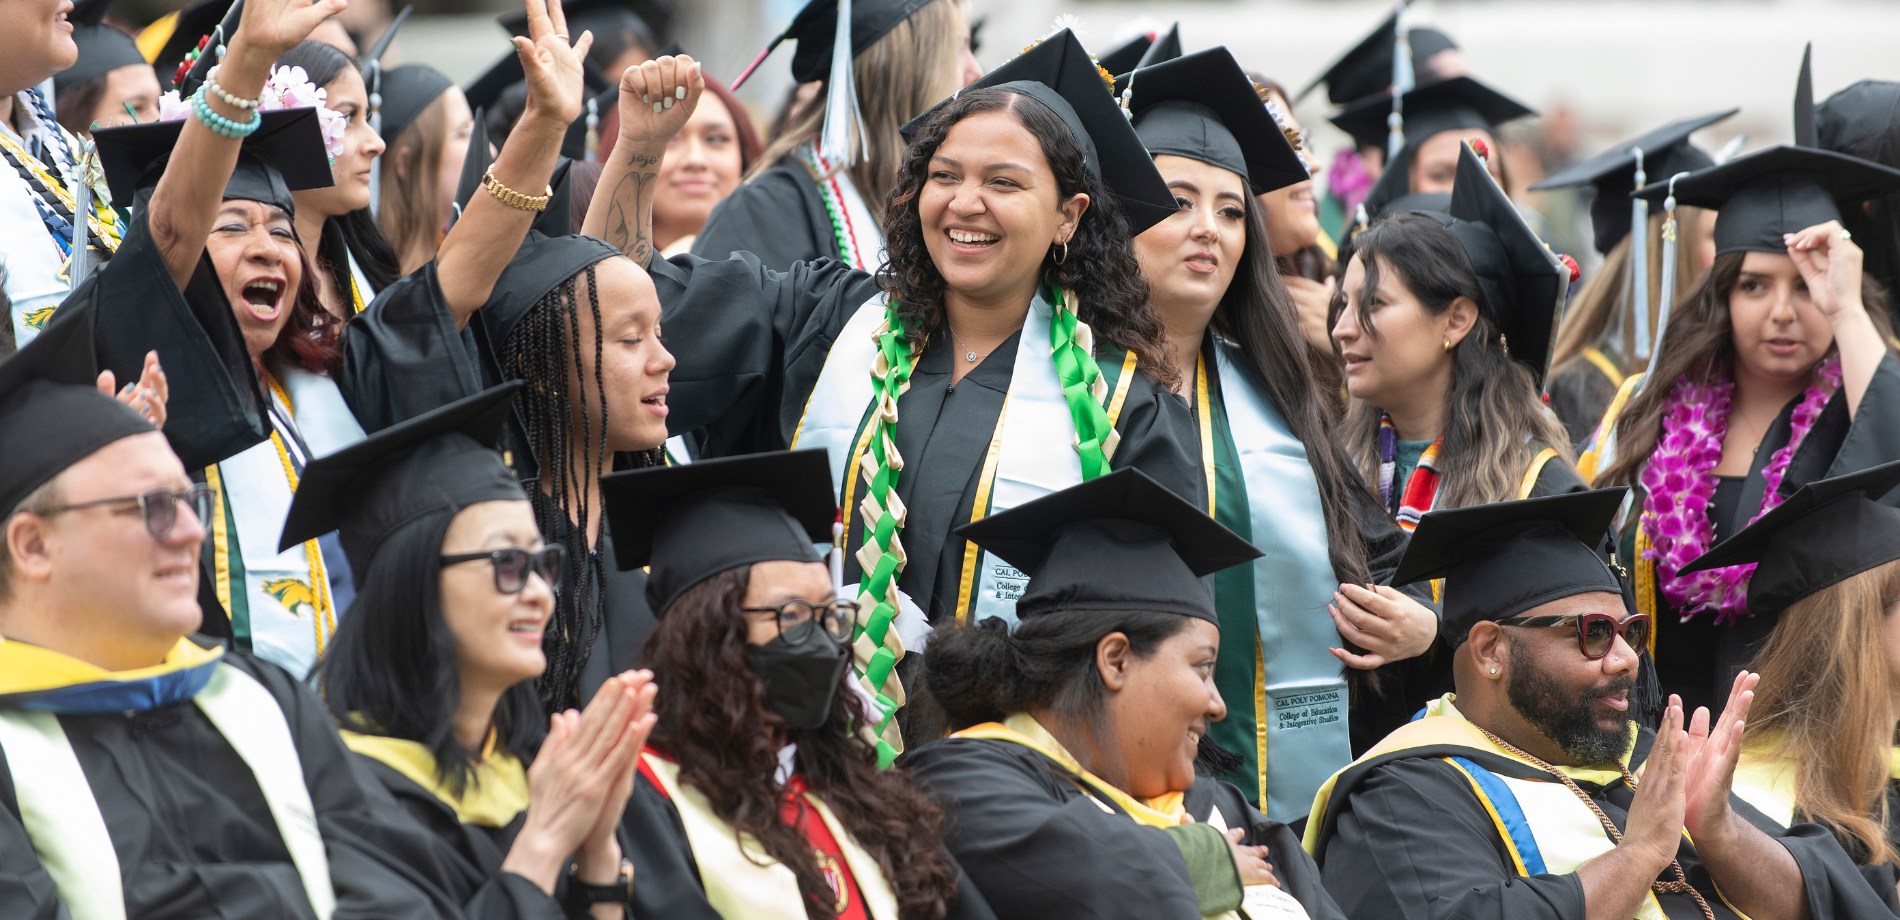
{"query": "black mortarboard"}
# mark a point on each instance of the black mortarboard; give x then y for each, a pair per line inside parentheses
(1824, 534)
(1062, 76)
(1366, 70)
(1666, 152)
(814, 29)
(1378, 205)
(1116, 542)
(599, 16)
(380, 47)
(1863, 121)
(1456, 104)
(1204, 107)
(505, 76)
(1502, 559)
(102, 48)
(192, 24)
(283, 155)
(441, 460)
(694, 521)
(1779, 190)
(1166, 47)
(1126, 56)
(407, 91)
(554, 220)
(51, 416)
(1523, 281)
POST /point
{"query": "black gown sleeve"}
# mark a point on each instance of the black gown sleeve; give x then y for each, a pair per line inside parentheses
(1873, 437)
(1558, 477)
(749, 343)
(403, 356)
(382, 864)
(216, 409)
(1410, 844)
(1579, 395)
(1036, 848)
(1159, 437)
(772, 218)
(26, 890)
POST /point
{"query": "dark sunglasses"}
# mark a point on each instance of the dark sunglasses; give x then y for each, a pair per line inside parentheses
(513, 564)
(798, 621)
(1596, 632)
(159, 507)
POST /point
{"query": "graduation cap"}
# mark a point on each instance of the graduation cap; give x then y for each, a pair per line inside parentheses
(1382, 204)
(285, 154)
(1860, 121)
(51, 416)
(1523, 281)
(102, 48)
(1158, 50)
(1455, 104)
(1502, 559)
(1059, 74)
(1205, 107)
(406, 91)
(443, 460)
(1779, 190)
(1126, 57)
(554, 220)
(815, 31)
(1366, 70)
(1116, 542)
(976, 34)
(1666, 152)
(694, 521)
(1824, 534)
(505, 78)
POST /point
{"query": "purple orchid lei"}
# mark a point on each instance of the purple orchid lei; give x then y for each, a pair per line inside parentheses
(1679, 483)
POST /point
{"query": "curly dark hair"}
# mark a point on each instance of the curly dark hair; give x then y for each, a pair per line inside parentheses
(1100, 267)
(714, 731)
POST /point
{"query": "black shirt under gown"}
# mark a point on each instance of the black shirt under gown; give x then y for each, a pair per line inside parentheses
(194, 837)
(751, 342)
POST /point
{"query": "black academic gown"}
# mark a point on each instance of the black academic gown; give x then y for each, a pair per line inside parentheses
(1037, 847)
(1406, 839)
(668, 881)
(474, 854)
(751, 343)
(1580, 392)
(778, 216)
(193, 834)
(1698, 660)
(627, 621)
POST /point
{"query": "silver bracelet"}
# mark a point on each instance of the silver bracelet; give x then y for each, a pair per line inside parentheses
(211, 83)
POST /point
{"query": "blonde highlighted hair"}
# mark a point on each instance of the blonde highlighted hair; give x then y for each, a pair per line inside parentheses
(410, 212)
(1825, 706)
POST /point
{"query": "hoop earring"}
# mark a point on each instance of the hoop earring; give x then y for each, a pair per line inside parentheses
(1062, 255)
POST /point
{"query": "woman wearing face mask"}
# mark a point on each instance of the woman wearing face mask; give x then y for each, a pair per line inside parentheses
(1269, 454)
(431, 678)
(255, 357)
(1774, 372)
(1443, 332)
(767, 746)
(1070, 784)
(1009, 347)
(819, 188)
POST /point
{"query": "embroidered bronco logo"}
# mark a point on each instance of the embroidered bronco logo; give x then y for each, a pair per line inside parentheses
(36, 319)
(294, 593)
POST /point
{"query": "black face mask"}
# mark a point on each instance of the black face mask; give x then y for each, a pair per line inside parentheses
(800, 680)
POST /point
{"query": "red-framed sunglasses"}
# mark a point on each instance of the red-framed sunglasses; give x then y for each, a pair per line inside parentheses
(1596, 632)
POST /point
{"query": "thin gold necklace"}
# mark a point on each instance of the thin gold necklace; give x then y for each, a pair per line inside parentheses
(1679, 886)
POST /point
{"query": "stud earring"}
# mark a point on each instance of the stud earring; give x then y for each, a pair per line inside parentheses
(1494, 671)
(1447, 346)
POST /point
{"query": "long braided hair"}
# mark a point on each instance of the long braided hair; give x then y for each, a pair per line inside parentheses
(566, 434)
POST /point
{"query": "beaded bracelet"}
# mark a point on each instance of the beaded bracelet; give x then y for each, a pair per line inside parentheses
(218, 90)
(220, 125)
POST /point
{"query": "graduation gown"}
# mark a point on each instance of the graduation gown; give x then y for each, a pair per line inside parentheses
(627, 621)
(1274, 667)
(778, 216)
(751, 343)
(670, 883)
(1403, 834)
(1699, 659)
(473, 841)
(1038, 846)
(191, 828)
(1580, 392)
(1765, 778)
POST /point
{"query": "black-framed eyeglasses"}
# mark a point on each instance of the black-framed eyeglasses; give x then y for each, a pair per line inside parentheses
(159, 507)
(1596, 632)
(512, 565)
(798, 621)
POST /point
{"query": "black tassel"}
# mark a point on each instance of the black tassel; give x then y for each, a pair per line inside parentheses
(1647, 697)
(1213, 760)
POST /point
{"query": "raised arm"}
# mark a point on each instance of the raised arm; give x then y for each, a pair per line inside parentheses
(656, 99)
(188, 195)
(480, 244)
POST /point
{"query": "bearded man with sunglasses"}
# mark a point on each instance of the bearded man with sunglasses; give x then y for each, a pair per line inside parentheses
(143, 774)
(1532, 792)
